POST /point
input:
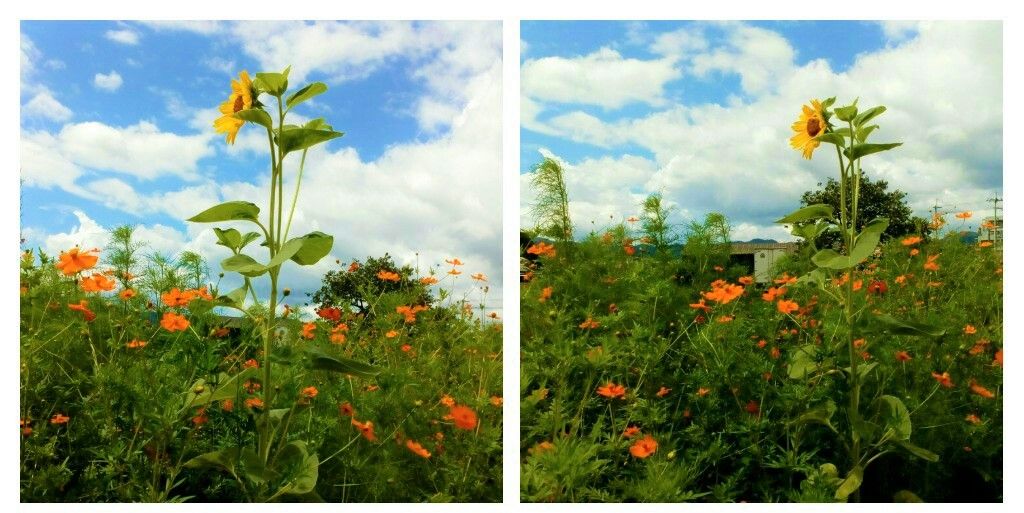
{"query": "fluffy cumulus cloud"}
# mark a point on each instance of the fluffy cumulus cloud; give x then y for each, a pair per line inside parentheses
(604, 78)
(422, 201)
(109, 82)
(44, 105)
(123, 36)
(735, 158)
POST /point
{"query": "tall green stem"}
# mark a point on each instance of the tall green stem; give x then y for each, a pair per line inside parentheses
(295, 197)
(851, 229)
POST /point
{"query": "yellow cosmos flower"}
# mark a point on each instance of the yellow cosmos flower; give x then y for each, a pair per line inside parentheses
(239, 100)
(810, 125)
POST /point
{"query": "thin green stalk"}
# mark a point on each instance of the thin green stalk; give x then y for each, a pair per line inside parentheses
(295, 197)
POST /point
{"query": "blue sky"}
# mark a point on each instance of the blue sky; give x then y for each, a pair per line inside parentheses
(117, 128)
(701, 111)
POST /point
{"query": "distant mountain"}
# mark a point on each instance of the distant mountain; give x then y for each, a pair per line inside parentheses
(758, 241)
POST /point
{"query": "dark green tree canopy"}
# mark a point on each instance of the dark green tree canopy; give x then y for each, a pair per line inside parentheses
(357, 289)
(876, 200)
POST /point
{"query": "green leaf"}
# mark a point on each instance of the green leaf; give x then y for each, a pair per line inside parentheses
(894, 415)
(890, 324)
(803, 361)
(820, 414)
(828, 102)
(301, 468)
(287, 250)
(863, 133)
(847, 113)
(303, 138)
(864, 149)
(228, 388)
(862, 370)
(230, 238)
(247, 238)
(234, 299)
(835, 138)
(224, 459)
(273, 83)
(317, 124)
(313, 247)
(807, 213)
(258, 116)
(306, 93)
(868, 115)
(322, 361)
(864, 246)
(228, 211)
(244, 265)
(253, 467)
(851, 483)
(920, 452)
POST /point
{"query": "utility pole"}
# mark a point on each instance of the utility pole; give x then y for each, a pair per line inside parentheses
(995, 207)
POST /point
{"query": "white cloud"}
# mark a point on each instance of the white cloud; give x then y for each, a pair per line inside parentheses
(110, 82)
(735, 158)
(123, 36)
(44, 105)
(680, 43)
(601, 78)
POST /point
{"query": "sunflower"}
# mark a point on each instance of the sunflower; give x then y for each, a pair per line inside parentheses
(241, 98)
(810, 125)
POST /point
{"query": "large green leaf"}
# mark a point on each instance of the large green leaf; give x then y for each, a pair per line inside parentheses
(313, 247)
(273, 83)
(319, 360)
(807, 213)
(258, 116)
(835, 138)
(300, 467)
(244, 265)
(890, 324)
(920, 452)
(228, 211)
(864, 149)
(247, 238)
(847, 113)
(851, 483)
(302, 138)
(820, 414)
(253, 467)
(228, 388)
(224, 459)
(230, 238)
(863, 133)
(893, 414)
(864, 246)
(306, 93)
(868, 115)
(803, 361)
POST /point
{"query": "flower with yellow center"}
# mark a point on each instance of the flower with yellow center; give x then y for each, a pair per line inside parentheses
(810, 125)
(240, 99)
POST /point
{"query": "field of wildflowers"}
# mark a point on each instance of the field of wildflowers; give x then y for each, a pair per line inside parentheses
(869, 371)
(143, 380)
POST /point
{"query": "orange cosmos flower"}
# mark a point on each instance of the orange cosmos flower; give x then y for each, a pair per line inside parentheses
(417, 449)
(454, 272)
(542, 249)
(629, 250)
(126, 294)
(786, 306)
(545, 294)
(253, 402)
(454, 261)
(980, 390)
(59, 418)
(251, 363)
(309, 392)
(746, 280)
(497, 401)
(589, 324)
(366, 428)
(428, 280)
(83, 307)
(662, 392)
(176, 297)
(998, 360)
(173, 322)
(985, 244)
(724, 292)
(931, 265)
(73, 261)
(201, 292)
(699, 305)
(701, 392)
(307, 330)
(136, 344)
(97, 283)
(611, 390)
(772, 293)
(785, 279)
(964, 215)
(630, 432)
(973, 419)
(406, 348)
(910, 241)
(901, 279)
(346, 409)
(447, 400)
(644, 447)
(479, 276)
(388, 276)
(970, 330)
(227, 405)
(903, 356)
(354, 267)
(391, 334)
(944, 379)
(464, 417)
(632, 219)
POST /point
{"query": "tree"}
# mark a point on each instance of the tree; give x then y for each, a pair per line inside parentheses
(655, 222)
(876, 200)
(358, 285)
(551, 206)
(707, 244)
